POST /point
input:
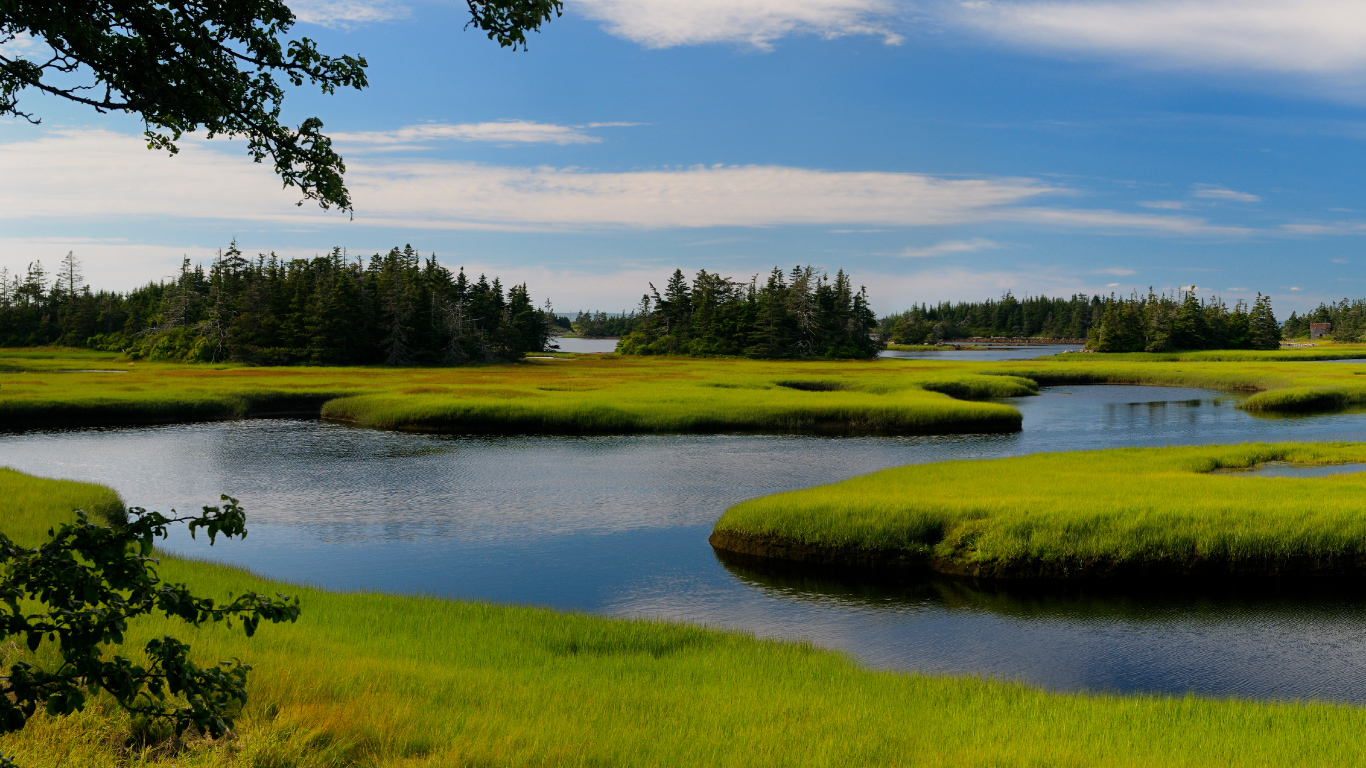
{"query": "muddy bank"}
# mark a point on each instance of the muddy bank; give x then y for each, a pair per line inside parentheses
(760, 550)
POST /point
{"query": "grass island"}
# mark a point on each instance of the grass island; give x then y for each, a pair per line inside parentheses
(1131, 512)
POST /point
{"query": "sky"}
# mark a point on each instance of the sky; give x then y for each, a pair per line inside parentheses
(935, 150)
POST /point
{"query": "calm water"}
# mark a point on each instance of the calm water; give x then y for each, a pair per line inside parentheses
(618, 525)
(586, 345)
(1022, 352)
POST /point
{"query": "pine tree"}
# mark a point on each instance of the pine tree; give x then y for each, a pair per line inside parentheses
(1263, 330)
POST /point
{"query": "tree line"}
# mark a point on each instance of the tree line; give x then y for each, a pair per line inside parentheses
(1162, 323)
(601, 324)
(1032, 316)
(1348, 319)
(1151, 323)
(800, 314)
(397, 309)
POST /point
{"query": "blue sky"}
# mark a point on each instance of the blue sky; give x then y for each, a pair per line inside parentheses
(936, 150)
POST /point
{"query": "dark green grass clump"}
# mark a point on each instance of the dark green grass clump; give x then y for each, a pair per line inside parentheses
(1119, 513)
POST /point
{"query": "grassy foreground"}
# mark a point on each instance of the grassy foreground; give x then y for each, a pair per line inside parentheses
(375, 680)
(1125, 512)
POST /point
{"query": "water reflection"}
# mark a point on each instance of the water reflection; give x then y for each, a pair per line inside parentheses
(1261, 640)
(618, 525)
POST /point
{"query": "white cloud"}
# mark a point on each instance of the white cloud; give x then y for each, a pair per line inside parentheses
(668, 23)
(893, 292)
(1334, 228)
(1289, 36)
(947, 247)
(110, 264)
(1116, 271)
(1118, 221)
(89, 174)
(1215, 192)
(100, 173)
(345, 14)
(18, 46)
(501, 131)
(1163, 205)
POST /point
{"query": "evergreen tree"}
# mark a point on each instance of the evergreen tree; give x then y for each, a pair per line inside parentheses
(330, 310)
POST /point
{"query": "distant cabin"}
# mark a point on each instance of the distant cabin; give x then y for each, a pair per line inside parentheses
(1319, 329)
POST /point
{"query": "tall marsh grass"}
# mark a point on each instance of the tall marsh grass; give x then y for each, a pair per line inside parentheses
(588, 394)
(1133, 511)
(382, 680)
(563, 395)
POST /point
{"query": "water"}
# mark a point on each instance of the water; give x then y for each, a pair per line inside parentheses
(585, 345)
(1006, 352)
(618, 526)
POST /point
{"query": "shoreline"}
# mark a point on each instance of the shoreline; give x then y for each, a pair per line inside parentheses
(778, 551)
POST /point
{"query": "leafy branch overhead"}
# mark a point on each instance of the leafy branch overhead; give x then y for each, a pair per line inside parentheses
(219, 66)
(84, 586)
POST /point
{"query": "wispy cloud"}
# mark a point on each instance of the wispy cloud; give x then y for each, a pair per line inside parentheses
(948, 247)
(1116, 271)
(1216, 192)
(1163, 205)
(1120, 221)
(757, 23)
(1287, 36)
(499, 132)
(104, 174)
(21, 45)
(892, 292)
(345, 14)
(1325, 228)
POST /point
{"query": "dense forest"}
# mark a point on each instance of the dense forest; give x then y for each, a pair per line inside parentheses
(1033, 316)
(801, 314)
(398, 309)
(1163, 323)
(1348, 320)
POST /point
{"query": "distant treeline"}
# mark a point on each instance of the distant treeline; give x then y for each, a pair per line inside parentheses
(1032, 316)
(1348, 319)
(801, 314)
(1152, 323)
(1163, 323)
(398, 309)
(603, 324)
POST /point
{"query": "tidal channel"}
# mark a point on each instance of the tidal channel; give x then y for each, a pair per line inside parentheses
(618, 526)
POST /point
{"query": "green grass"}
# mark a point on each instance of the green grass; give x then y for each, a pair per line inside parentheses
(376, 680)
(608, 394)
(569, 394)
(1127, 512)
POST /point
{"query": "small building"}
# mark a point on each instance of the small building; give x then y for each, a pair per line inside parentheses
(1319, 329)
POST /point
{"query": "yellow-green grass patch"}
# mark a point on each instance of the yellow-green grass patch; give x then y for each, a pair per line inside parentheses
(1114, 513)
